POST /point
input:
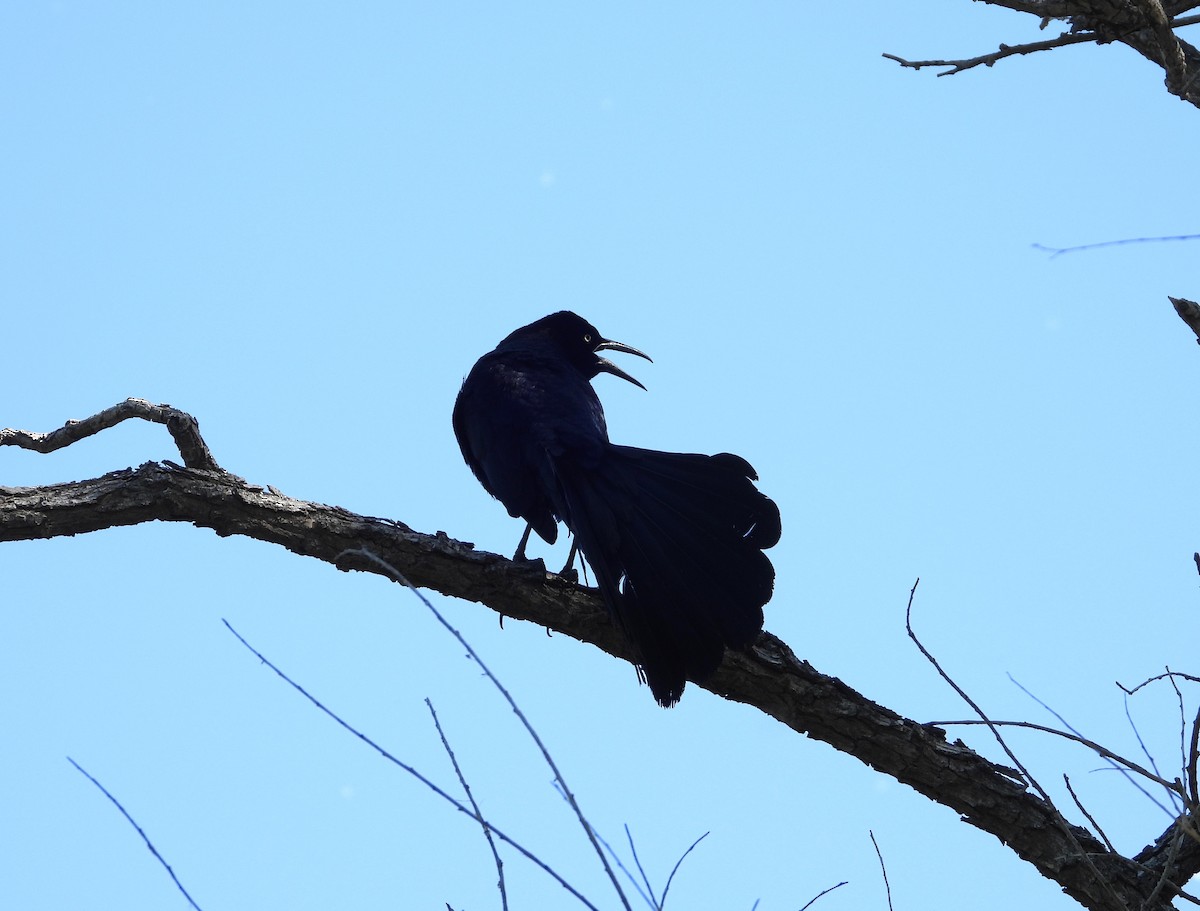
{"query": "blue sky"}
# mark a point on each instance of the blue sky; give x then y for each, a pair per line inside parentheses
(303, 223)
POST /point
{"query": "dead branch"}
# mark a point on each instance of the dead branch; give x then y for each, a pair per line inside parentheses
(1146, 26)
(184, 430)
(767, 676)
(990, 59)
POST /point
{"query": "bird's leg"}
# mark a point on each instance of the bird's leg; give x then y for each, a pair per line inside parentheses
(519, 556)
(570, 557)
(570, 561)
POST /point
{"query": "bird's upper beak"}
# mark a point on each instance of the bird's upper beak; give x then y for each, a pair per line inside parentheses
(604, 365)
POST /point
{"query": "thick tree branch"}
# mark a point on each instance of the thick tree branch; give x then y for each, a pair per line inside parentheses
(767, 676)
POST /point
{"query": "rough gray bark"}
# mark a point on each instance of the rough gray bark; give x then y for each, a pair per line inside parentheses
(767, 676)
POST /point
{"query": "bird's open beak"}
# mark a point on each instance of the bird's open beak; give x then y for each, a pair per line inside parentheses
(604, 365)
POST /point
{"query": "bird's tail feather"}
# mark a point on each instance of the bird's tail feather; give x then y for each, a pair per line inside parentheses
(675, 541)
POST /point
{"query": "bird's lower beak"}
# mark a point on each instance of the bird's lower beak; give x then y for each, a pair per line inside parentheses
(604, 365)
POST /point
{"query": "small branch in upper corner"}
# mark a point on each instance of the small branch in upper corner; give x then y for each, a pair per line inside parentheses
(1005, 50)
(1059, 251)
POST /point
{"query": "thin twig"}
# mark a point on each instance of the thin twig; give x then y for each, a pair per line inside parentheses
(1099, 749)
(822, 892)
(1005, 50)
(637, 862)
(1163, 880)
(1130, 691)
(1059, 251)
(396, 575)
(1090, 818)
(145, 838)
(646, 897)
(458, 805)
(1138, 735)
(1063, 825)
(675, 869)
(882, 867)
(1183, 755)
(487, 831)
(1193, 761)
(1170, 786)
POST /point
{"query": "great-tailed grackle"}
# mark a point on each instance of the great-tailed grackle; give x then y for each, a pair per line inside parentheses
(675, 539)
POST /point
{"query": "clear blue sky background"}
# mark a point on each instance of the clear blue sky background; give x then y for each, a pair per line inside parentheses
(303, 222)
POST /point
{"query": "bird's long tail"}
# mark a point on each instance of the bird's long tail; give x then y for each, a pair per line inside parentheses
(676, 542)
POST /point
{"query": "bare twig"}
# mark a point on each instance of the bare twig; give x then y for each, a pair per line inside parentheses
(1169, 673)
(1125, 241)
(1183, 755)
(395, 574)
(1056, 815)
(812, 900)
(1100, 749)
(457, 804)
(1005, 50)
(647, 897)
(1087, 815)
(184, 429)
(487, 831)
(637, 862)
(675, 869)
(1141, 743)
(1170, 786)
(1193, 760)
(1164, 877)
(145, 838)
(882, 867)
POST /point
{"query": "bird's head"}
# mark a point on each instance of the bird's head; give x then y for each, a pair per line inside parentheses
(579, 341)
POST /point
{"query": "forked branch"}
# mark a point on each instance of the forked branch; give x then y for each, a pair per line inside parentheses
(767, 676)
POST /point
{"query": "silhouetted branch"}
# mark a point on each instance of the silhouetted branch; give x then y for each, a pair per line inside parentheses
(1107, 892)
(184, 429)
(823, 892)
(883, 869)
(487, 831)
(767, 675)
(1146, 26)
(458, 805)
(1059, 251)
(1087, 815)
(396, 575)
(145, 838)
(990, 59)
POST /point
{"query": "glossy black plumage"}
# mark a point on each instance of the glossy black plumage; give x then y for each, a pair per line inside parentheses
(675, 539)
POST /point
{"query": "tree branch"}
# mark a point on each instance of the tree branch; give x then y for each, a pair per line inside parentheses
(1146, 26)
(1189, 312)
(767, 676)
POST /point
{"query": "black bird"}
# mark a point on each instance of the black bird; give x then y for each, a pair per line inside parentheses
(675, 539)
